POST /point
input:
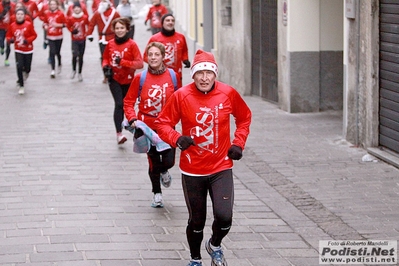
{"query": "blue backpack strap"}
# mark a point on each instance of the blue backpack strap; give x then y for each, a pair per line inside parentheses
(142, 79)
(144, 75)
(174, 79)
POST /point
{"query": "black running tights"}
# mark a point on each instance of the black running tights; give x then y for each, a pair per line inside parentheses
(221, 191)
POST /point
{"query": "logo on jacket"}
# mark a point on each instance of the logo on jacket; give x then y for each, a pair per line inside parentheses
(170, 54)
(156, 98)
(79, 26)
(20, 36)
(203, 134)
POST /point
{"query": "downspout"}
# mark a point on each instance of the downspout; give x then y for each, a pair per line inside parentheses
(357, 73)
(196, 23)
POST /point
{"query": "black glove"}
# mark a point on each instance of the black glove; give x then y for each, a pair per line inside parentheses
(90, 39)
(235, 152)
(75, 31)
(128, 125)
(4, 13)
(183, 142)
(187, 64)
(11, 40)
(117, 60)
(6, 9)
(145, 22)
(25, 42)
(108, 73)
(138, 133)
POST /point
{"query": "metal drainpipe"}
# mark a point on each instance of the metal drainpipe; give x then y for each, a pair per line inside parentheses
(357, 72)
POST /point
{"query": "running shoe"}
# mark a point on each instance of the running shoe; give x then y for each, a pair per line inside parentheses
(166, 179)
(157, 201)
(194, 263)
(1, 51)
(80, 78)
(59, 68)
(216, 255)
(52, 75)
(120, 139)
(6, 63)
(73, 73)
(21, 90)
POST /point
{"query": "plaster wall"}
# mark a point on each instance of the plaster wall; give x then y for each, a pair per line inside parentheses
(234, 48)
(310, 55)
(303, 37)
(283, 59)
(361, 79)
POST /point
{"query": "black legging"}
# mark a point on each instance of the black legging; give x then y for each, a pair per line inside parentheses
(23, 63)
(102, 48)
(2, 41)
(2, 38)
(118, 93)
(159, 162)
(221, 191)
(78, 50)
(8, 50)
(55, 50)
(131, 32)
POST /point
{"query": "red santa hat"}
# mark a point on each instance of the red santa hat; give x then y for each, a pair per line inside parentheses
(204, 61)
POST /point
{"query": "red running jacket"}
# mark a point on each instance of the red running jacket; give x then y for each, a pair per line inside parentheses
(19, 33)
(155, 92)
(79, 23)
(176, 50)
(206, 118)
(54, 33)
(130, 60)
(5, 22)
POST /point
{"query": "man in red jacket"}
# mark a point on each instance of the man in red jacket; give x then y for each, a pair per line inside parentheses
(175, 45)
(204, 108)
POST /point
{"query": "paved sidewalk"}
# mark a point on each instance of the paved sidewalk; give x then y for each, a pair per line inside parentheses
(70, 196)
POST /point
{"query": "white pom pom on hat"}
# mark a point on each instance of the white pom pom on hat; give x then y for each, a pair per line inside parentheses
(204, 61)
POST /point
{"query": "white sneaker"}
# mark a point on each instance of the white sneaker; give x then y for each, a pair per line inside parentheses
(21, 90)
(120, 139)
(52, 75)
(59, 68)
(166, 179)
(217, 255)
(80, 78)
(157, 201)
(73, 73)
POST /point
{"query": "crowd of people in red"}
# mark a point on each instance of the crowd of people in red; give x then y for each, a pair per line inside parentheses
(17, 28)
